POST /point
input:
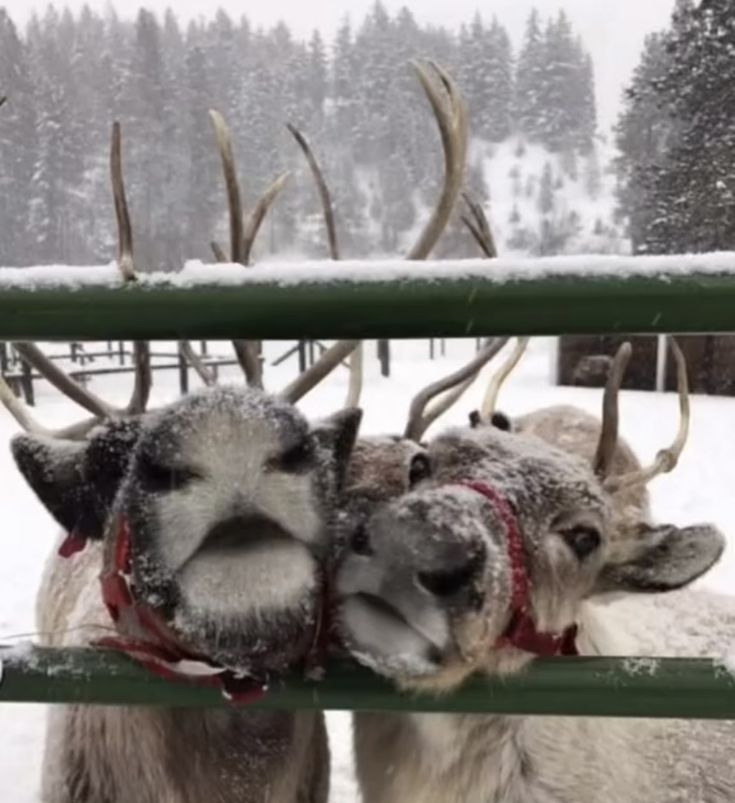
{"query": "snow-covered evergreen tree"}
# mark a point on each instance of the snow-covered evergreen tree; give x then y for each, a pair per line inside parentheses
(355, 98)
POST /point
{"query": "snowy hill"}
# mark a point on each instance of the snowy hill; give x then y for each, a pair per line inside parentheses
(543, 203)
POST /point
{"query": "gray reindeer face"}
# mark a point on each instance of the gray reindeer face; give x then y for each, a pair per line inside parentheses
(426, 587)
(227, 496)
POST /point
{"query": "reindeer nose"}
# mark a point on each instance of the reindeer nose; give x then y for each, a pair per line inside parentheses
(449, 582)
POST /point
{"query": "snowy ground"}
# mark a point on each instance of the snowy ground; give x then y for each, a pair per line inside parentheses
(698, 490)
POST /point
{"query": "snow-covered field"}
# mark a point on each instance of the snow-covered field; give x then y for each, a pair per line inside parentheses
(698, 490)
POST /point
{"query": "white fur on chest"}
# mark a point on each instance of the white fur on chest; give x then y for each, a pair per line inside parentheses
(461, 763)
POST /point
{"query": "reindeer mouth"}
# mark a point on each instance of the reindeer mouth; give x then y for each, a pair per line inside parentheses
(389, 640)
(247, 566)
(239, 535)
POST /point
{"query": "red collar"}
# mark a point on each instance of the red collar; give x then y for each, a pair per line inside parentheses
(521, 631)
(157, 648)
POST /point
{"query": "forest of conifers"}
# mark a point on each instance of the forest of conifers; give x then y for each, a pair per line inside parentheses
(68, 76)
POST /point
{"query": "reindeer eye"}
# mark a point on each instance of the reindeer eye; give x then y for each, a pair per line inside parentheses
(159, 478)
(420, 469)
(582, 540)
(294, 460)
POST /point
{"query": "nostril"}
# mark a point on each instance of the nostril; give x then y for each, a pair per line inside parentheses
(360, 542)
(448, 583)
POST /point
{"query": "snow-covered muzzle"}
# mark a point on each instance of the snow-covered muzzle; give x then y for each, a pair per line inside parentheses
(225, 504)
(488, 563)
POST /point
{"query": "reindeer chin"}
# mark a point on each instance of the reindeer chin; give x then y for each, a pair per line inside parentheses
(248, 597)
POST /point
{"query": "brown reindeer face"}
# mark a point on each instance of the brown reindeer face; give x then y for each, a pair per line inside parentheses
(426, 591)
(226, 496)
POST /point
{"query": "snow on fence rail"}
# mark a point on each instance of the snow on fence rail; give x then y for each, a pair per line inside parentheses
(600, 687)
(374, 299)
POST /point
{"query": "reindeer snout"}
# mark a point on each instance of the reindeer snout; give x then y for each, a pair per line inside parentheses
(449, 581)
(426, 547)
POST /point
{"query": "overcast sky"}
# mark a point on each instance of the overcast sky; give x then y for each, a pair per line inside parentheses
(612, 30)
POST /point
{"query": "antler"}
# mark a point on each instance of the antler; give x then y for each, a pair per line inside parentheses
(205, 373)
(608, 441)
(667, 459)
(356, 356)
(33, 356)
(450, 112)
(258, 215)
(124, 228)
(498, 378)
(479, 227)
(23, 416)
(454, 138)
(126, 262)
(232, 185)
(219, 254)
(459, 381)
(242, 237)
(310, 378)
(324, 194)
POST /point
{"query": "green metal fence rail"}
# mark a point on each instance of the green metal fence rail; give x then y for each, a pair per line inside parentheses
(583, 295)
(601, 687)
(452, 302)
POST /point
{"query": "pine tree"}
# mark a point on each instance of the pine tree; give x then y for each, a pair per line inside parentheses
(560, 119)
(144, 101)
(546, 191)
(678, 135)
(357, 101)
(531, 81)
(317, 78)
(17, 146)
(644, 127)
(488, 82)
(202, 168)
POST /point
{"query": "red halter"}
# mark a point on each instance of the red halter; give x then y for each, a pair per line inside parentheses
(159, 650)
(521, 631)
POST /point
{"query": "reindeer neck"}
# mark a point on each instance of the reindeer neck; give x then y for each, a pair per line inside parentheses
(127, 755)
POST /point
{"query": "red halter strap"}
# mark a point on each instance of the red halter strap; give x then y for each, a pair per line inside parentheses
(158, 649)
(521, 631)
(73, 543)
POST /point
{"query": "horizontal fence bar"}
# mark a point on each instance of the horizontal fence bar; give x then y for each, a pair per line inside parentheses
(374, 300)
(599, 687)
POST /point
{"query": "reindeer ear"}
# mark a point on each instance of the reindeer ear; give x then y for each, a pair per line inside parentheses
(338, 435)
(662, 558)
(108, 454)
(106, 463)
(55, 471)
(77, 480)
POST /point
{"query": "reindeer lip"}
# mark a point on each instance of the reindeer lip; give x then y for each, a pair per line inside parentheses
(380, 605)
(377, 606)
(241, 532)
(379, 636)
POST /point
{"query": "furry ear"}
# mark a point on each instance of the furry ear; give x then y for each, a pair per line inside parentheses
(661, 557)
(498, 420)
(338, 435)
(55, 471)
(77, 480)
(106, 463)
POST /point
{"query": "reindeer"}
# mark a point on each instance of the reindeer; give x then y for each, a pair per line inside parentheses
(513, 547)
(207, 523)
